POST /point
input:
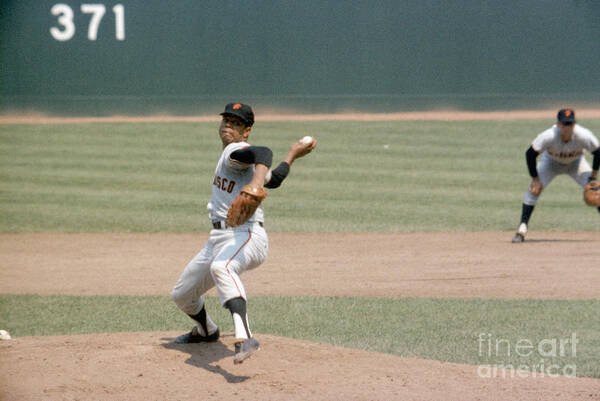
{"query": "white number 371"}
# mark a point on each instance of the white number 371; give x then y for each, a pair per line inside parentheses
(67, 26)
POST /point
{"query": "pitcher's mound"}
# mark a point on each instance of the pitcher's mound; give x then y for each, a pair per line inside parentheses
(149, 366)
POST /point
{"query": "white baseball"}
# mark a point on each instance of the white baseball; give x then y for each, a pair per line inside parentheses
(306, 140)
(4, 335)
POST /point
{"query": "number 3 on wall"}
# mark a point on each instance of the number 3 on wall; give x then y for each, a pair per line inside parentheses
(67, 29)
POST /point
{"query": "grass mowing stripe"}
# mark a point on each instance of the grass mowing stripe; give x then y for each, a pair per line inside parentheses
(472, 331)
(372, 176)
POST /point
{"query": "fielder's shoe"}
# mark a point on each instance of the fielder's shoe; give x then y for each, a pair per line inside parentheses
(520, 235)
(244, 349)
(194, 337)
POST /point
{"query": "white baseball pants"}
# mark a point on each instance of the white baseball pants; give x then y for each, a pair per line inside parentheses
(579, 169)
(225, 256)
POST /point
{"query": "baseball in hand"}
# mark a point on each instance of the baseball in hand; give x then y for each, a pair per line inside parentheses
(307, 140)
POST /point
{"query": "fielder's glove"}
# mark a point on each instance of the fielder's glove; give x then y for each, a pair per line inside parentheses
(591, 193)
(244, 205)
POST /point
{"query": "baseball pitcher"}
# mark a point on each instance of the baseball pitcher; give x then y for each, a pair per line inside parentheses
(561, 147)
(238, 240)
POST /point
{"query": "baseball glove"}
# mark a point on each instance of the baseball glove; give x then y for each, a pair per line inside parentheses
(536, 187)
(591, 193)
(244, 205)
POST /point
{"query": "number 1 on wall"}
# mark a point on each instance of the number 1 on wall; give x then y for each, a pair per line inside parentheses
(119, 11)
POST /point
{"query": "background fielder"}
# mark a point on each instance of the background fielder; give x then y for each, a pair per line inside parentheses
(562, 148)
(230, 251)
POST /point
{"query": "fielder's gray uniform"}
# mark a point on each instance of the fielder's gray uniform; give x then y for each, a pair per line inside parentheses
(558, 157)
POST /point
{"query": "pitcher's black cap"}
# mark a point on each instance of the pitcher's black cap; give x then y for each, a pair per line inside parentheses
(566, 116)
(240, 110)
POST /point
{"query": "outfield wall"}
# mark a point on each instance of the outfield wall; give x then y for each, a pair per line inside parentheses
(189, 57)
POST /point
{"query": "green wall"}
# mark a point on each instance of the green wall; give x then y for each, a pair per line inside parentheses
(191, 56)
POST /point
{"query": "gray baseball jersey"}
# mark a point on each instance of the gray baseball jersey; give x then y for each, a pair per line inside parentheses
(230, 177)
(550, 142)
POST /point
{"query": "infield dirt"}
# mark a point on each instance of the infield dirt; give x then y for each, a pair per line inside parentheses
(282, 115)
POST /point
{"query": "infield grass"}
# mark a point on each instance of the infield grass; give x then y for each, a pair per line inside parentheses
(372, 176)
(471, 331)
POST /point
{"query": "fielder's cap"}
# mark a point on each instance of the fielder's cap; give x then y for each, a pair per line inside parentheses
(240, 110)
(566, 116)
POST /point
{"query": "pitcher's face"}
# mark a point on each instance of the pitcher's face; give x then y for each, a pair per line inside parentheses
(233, 129)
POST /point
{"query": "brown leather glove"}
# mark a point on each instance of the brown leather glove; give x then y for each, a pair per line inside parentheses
(244, 205)
(591, 193)
(536, 186)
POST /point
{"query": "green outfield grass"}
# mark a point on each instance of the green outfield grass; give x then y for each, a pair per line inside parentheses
(472, 331)
(371, 176)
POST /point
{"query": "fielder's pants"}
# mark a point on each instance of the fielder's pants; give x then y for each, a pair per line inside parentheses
(579, 169)
(227, 254)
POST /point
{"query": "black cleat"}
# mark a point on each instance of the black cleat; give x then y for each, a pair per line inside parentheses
(194, 337)
(244, 349)
(518, 238)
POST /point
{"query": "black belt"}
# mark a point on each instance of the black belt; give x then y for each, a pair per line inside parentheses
(218, 225)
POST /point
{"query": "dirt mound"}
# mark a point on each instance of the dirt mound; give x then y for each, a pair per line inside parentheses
(148, 366)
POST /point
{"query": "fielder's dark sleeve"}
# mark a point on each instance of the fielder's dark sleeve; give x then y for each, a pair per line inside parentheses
(596, 161)
(278, 175)
(530, 156)
(254, 155)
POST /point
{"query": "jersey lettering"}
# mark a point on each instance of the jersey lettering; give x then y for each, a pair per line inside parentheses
(224, 184)
(565, 154)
